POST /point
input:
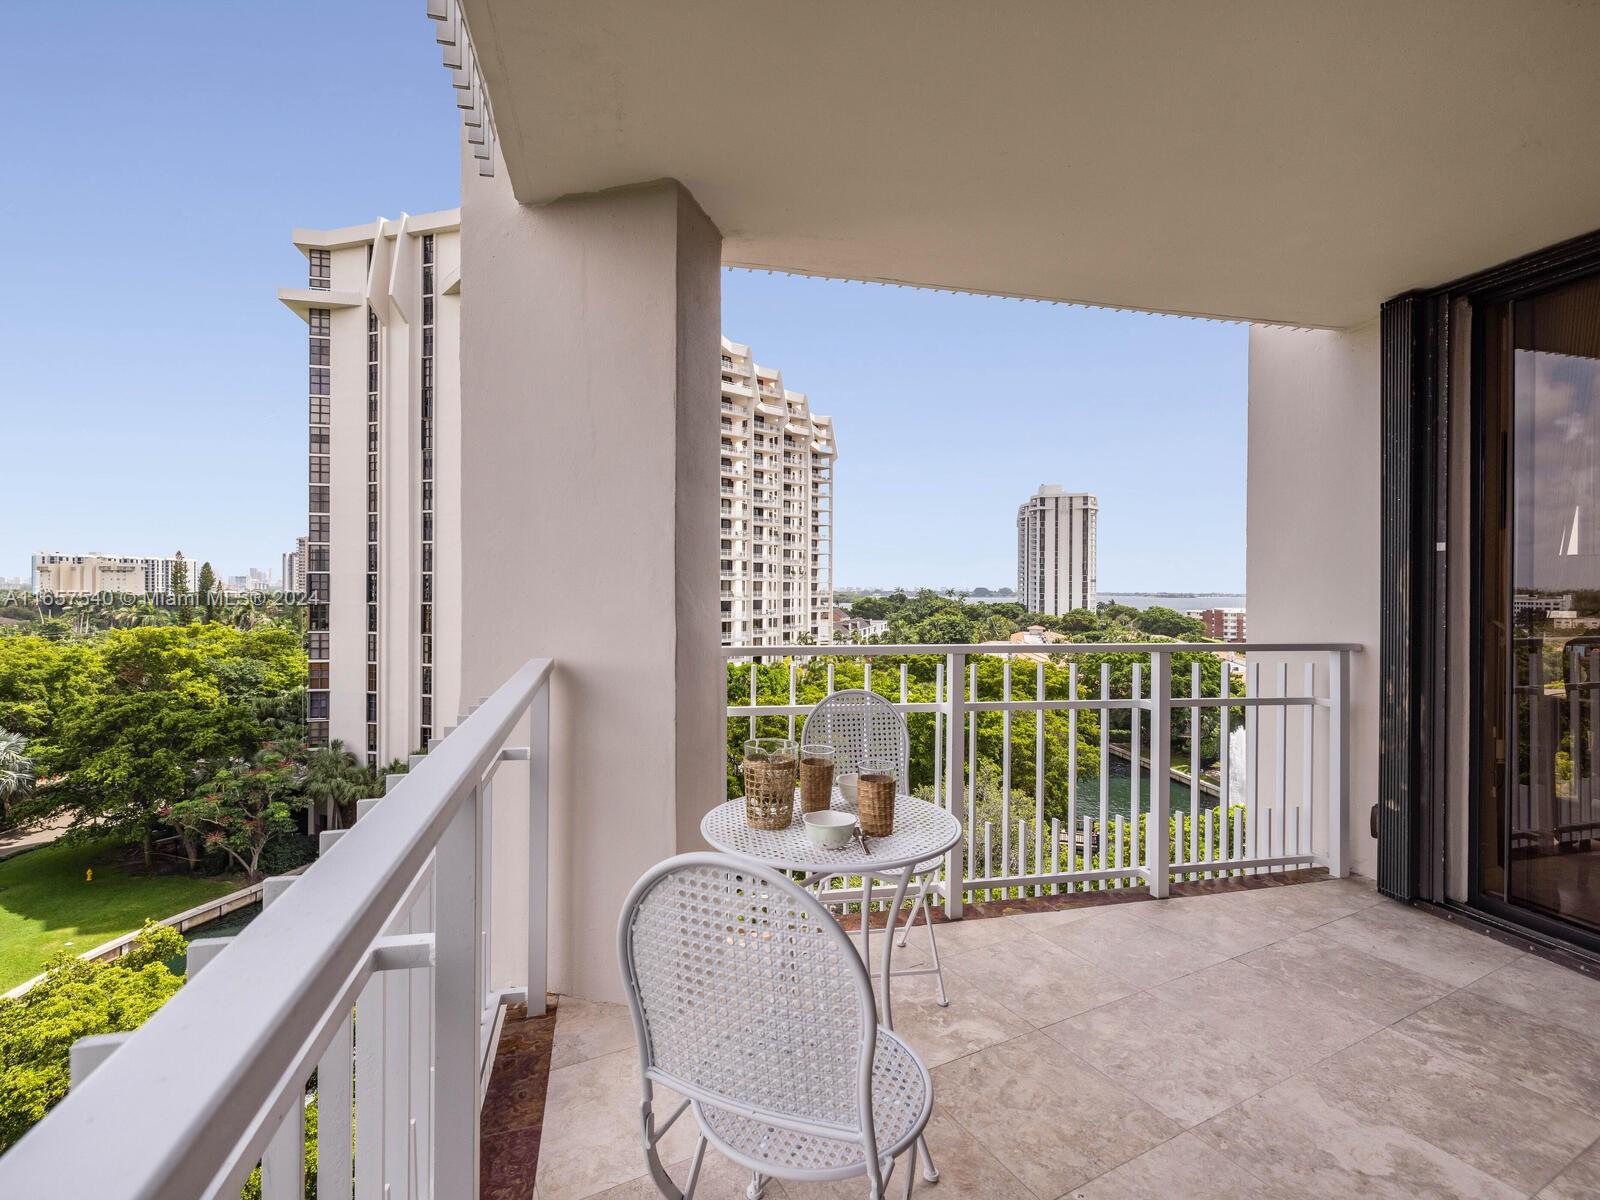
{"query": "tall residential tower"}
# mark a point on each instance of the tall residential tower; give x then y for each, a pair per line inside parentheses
(1056, 554)
(381, 559)
(381, 556)
(777, 508)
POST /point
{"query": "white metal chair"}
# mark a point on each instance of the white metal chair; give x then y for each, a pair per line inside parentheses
(862, 725)
(749, 1000)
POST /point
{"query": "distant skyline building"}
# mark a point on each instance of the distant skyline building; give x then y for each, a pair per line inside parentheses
(79, 574)
(777, 508)
(294, 568)
(1057, 557)
(1224, 624)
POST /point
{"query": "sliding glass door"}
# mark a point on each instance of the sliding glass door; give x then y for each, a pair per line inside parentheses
(1537, 820)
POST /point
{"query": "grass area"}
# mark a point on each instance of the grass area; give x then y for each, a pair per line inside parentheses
(45, 903)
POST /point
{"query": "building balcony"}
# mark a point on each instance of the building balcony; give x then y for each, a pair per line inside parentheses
(1222, 1005)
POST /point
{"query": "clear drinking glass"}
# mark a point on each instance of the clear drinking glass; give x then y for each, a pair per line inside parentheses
(770, 765)
(816, 776)
(875, 792)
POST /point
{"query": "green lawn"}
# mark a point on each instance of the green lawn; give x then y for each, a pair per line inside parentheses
(46, 905)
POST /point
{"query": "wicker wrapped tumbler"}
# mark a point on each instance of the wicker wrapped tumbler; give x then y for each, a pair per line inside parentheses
(875, 792)
(770, 766)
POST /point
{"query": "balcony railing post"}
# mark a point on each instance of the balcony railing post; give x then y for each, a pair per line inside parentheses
(1338, 759)
(457, 1003)
(954, 862)
(538, 850)
(1158, 845)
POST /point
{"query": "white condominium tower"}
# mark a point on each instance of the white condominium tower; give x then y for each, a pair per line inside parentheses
(777, 509)
(381, 555)
(381, 559)
(1056, 555)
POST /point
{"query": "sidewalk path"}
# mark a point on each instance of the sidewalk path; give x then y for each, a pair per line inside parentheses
(16, 842)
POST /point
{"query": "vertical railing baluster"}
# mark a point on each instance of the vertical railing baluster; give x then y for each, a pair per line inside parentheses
(1224, 767)
(960, 854)
(1252, 758)
(755, 675)
(1157, 845)
(1280, 777)
(792, 695)
(1072, 769)
(1306, 827)
(972, 747)
(1055, 852)
(1105, 764)
(538, 851)
(1005, 767)
(1038, 773)
(1116, 851)
(451, 1147)
(1136, 772)
(1338, 759)
(1194, 765)
(988, 857)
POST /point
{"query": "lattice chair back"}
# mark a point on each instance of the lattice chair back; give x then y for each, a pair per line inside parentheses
(748, 996)
(860, 725)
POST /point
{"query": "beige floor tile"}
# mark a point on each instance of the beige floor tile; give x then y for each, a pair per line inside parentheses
(1185, 1166)
(1421, 942)
(1539, 1055)
(590, 1140)
(1227, 929)
(1038, 922)
(720, 1179)
(1519, 1137)
(957, 937)
(1051, 1119)
(1544, 990)
(1580, 1180)
(973, 1020)
(1168, 1057)
(1352, 979)
(587, 1029)
(1033, 978)
(1281, 1022)
(1361, 889)
(967, 1171)
(1127, 945)
(1294, 1137)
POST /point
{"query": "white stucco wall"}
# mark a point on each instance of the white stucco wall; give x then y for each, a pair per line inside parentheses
(1312, 520)
(590, 330)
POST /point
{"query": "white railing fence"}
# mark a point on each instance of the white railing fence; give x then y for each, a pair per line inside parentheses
(364, 984)
(1272, 795)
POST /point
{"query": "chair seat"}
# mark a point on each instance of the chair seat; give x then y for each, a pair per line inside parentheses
(901, 1093)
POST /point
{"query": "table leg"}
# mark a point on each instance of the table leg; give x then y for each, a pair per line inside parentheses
(888, 943)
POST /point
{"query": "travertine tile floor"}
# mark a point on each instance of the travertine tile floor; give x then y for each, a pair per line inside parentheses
(1309, 1040)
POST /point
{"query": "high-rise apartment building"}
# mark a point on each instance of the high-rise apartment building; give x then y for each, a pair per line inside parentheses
(149, 575)
(777, 508)
(294, 568)
(380, 561)
(1056, 553)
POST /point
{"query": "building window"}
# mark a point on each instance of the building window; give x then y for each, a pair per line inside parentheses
(321, 268)
(318, 675)
(317, 646)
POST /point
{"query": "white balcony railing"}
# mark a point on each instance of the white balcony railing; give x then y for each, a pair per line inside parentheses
(370, 970)
(1278, 799)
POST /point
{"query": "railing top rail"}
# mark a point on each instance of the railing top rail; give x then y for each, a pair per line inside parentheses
(972, 648)
(164, 1113)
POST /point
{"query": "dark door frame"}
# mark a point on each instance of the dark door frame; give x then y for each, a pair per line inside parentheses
(1420, 331)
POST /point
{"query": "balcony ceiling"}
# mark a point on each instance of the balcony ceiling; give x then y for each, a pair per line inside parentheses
(1277, 160)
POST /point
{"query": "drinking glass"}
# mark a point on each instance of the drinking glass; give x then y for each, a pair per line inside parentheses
(875, 793)
(816, 776)
(769, 775)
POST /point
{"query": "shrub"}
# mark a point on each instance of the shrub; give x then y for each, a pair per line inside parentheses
(76, 999)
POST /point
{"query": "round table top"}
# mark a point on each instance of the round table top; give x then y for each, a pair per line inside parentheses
(922, 831)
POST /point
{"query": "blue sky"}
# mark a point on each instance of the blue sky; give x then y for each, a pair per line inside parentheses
(155, 396)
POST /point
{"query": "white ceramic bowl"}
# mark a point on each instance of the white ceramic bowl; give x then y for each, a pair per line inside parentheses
(847, 787)
(829, 829)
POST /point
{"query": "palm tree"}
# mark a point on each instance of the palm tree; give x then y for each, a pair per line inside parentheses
(335, 778)
(16, 772)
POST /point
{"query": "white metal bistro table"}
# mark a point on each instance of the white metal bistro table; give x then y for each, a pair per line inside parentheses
(922, 832)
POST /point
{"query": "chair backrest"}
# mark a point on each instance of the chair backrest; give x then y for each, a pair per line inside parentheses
(860, 725)
(747, 994)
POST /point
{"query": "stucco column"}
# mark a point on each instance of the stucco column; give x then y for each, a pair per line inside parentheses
(589, 434)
